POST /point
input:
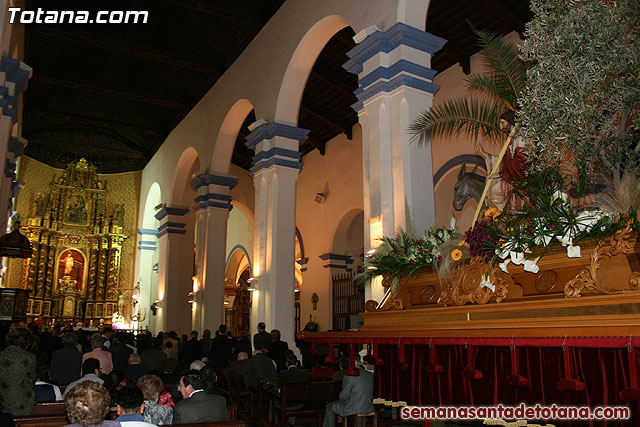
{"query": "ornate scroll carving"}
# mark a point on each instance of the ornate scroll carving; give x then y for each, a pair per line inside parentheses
(466, 285)
(587, 280)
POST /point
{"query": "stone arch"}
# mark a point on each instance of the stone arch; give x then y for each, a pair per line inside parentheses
(237, 262)
(228, 134)
(188, 163)
(348, 238)
(154, 198)
(300, 65)
(413, 12)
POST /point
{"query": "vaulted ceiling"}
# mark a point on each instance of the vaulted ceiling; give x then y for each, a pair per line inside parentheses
(112, 93)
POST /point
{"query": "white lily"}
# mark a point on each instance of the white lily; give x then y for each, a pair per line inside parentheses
(566, 240)
(486, 283)
(531, 265)
(517, 258)
(452, 223)
(542, 239)
(573, 251)
(503, 265)
(559, 195)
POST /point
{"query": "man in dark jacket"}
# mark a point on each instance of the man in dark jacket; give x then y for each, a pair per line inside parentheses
(66, 363)
(154, 358)
(120, 352)
(262, 339)
(192, 350)
(293, 374)
(278, 350)
(197, 405)
(221, 348)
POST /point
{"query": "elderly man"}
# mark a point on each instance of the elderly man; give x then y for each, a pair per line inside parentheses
(134, 369)
(104, 357)
(356, 396)
(198, 406)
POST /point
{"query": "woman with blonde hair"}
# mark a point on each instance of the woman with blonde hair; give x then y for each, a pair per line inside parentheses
(152, 386)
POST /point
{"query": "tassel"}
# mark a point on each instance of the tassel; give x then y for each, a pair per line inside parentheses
(353, 370)
(631, 394)
(314, 352)
(331, 358)
(470, 372)
(433, 366)
(370, 359)
(569, 383)
(515, 379)
(402, 364)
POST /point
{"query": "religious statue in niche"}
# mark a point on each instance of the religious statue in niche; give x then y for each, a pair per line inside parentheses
(118, 214)
(76, 211)
(71, 268)
(40, 205)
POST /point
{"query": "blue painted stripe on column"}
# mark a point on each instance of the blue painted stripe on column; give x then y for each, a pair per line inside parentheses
(170, 210)
(389, 86)
(213, 196)
(385, 42)
(387, 73)
(169, 224)
(273, 129)
(276, 162)
(147, 231)
(341, 267)
(212, 179)
(276, 151)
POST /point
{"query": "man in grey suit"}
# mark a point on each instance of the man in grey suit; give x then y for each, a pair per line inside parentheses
(198, 406)
(356, 396)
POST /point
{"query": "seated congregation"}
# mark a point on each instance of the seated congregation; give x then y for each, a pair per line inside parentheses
(79, 378)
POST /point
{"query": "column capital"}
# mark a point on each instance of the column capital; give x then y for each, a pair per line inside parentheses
(386, 61)
(166, 210)
(276, 144)
(337, 261)
(203, 179)
(212, 200)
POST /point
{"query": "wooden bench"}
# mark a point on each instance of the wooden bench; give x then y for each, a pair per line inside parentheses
(304, 401)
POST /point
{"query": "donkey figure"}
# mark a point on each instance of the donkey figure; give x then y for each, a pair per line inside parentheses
(469, 185)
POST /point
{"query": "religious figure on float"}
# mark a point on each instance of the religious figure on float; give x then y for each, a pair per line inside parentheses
(68, 264)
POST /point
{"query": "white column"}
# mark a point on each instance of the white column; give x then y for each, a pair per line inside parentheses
(395, 85)
(147, 246)
(175, 270)
(275, 172)
(213, 204)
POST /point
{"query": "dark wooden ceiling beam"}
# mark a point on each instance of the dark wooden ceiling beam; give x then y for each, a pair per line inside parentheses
(92, 121)
(343, 90)
(115, 45)
(325, 119)
(70, 146)
(463, 57)
(316, 144)
(508, 15)
(129, 95)
(213, 9)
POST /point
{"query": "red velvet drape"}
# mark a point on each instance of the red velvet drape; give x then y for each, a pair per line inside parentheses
(604, 371)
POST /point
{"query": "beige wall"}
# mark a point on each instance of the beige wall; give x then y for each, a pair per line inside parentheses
(341, 168)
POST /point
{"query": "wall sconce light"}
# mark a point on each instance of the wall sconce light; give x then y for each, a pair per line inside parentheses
(252, 284)
(155, 306)
(375, 232)
(322, 196)
(191, 297)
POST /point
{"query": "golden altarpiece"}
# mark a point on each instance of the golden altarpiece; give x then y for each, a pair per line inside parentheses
(74, 272)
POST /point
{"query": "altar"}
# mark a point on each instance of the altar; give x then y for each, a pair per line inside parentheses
(74, 272)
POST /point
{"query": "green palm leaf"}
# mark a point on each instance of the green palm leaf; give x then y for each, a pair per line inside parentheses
(476, 117)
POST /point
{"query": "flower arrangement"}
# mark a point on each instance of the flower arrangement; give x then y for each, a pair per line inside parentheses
(404, 255)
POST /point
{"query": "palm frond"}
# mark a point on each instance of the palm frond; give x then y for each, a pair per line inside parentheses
(472, 116)
(507, 68)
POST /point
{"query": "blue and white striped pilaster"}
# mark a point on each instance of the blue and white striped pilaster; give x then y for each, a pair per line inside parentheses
(387, 60)
(148, 239)
(213, 190)
(276, 144)
(337, 261)
(14, 75)
(171, 221)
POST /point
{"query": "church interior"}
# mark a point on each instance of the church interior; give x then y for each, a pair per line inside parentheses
(230, 163)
